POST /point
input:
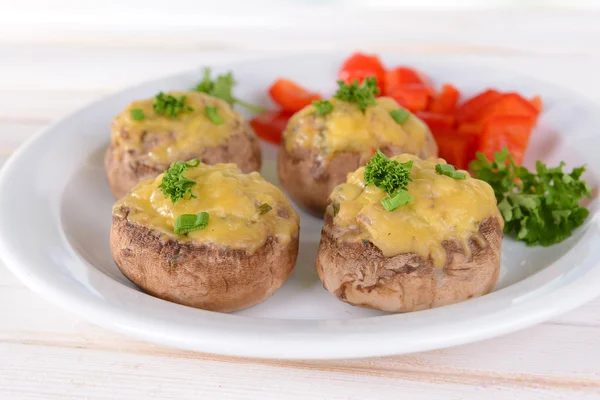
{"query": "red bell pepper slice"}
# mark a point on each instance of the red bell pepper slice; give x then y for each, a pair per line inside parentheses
(470, 110)
(506, 130)
(537, 103)
(291, 96)
(414, 97)
(446, 101)
(401, 76)
(508, 104)
(270, 125)
(455, 149)
(470, 129)
(436, 121)
(359, 66)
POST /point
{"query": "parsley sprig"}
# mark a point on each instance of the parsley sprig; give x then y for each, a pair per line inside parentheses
(170, 106)
(221, 87)
(174, 184)
(540, 208)
(362, 94)
(391, 176)
(322, 107)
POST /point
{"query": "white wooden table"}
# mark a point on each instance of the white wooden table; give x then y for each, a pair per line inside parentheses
(55, 64)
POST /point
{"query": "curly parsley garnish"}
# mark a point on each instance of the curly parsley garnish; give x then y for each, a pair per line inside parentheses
(221, 87)
(323, 107)
(174, 184)
(449, 170)
(391, 176)
(540, 208)
(190, 222)
(170, 106)
(362, 94)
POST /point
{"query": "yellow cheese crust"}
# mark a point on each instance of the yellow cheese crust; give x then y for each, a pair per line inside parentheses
(443, 208)
(348, 129)
(164, 140)
(230, 197)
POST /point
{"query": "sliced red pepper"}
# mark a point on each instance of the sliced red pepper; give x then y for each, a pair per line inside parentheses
(470, 110)
(436, 121)
(270, 125)
(401, 76)
(508, 104)
(291, 96)
(506, 130)
(411, 96)
(446, 101)
(455, 149)
(470, 129)
(537, 103)
(359, 66)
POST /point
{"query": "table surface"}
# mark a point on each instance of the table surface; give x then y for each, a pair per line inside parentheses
(50, 70)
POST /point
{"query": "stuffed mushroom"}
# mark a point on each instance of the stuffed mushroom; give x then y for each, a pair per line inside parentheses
(150, 134)
(205, 236)
(322, 144)
(405, 234)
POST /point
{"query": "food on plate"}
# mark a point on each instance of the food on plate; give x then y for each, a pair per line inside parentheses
(405, 234)
(540, 208)
(222, 88)
(330, 138)
(486, 122)
(151, 134)
(206, 236)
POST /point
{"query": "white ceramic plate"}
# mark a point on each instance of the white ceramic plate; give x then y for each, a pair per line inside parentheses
(55, 213)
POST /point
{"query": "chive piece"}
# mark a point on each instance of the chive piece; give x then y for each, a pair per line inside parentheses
(322, 106)
(137, 114)
(449, 170)
(336, 208)
(400, 198)
(190, 222)
(264, 208)
(212, 112)
(400, 115)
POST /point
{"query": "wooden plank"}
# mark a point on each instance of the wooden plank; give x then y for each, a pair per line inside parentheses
(40, 372)
(561, 356)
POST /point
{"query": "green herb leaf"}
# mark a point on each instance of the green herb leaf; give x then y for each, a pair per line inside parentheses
(137, 114)
(170, 106)
(389, 175)
(323, 107)
(362, 94)
(264, 208)
(190, 222)
(400, 115)
(540, 208)
(336, 208)
(222, 87)
(212, 112)
(174, 184)
(449, 170)
(400, 198)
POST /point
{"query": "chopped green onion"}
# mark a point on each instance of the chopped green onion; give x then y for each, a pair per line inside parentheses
(323, 107)
(449, 170)
(190, 222)
(264, 208)
(336, 208)
(137, 114)
(400, 115)
(400, 198)
(212, 112)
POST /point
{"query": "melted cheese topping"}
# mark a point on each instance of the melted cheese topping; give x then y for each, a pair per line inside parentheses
(443, 209)
(165, 140)
(230, 197)
(348, 129)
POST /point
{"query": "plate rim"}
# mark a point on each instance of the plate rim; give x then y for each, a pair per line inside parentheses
(104, 315)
